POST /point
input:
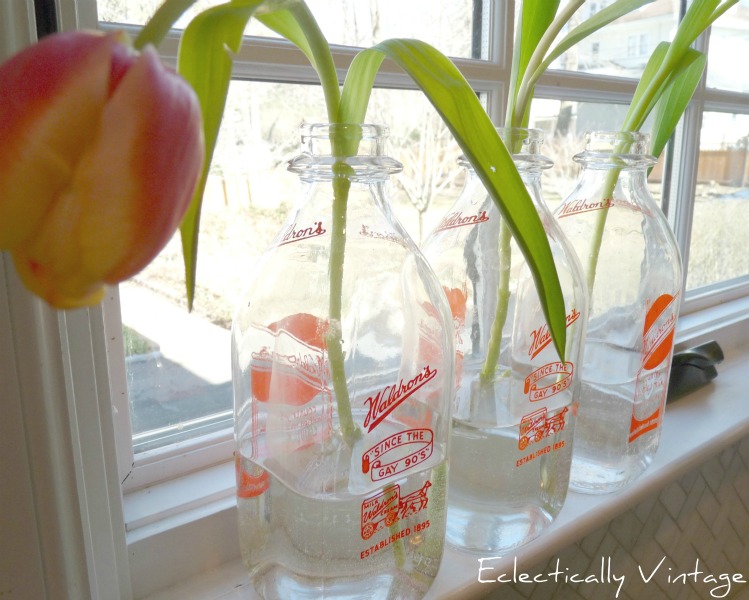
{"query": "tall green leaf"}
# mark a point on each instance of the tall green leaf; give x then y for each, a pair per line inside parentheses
(155, 30)
(519, 105)
(293, 20)
(536, 16)
(205, 61)
(459, 107)
(675, 98)
(600, 19)
(699, 16)
(641, 105)
(697, 19)
(668, 82)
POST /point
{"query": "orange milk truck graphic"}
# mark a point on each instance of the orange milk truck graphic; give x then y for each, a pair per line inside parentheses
(536, 426)
(384, 509)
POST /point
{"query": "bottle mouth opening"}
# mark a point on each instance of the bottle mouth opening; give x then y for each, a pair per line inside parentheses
(524, 145)
(361, 146)
(617, 142)
(343, 139)
(522, 140)
(623, 148)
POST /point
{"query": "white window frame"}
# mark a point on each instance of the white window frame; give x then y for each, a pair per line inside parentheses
(259, 59)
(61, 374)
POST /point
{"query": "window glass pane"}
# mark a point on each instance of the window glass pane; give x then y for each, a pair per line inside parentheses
(728, 41)
(721, 212)
(178, 364)
(565, 124)
(446, 24)
(137, 12)
(623, 47)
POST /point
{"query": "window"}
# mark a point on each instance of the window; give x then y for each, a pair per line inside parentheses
(177, 365)
(623, 47)
(631, 46)
(176, 384)
(721, 210)
(169, 377)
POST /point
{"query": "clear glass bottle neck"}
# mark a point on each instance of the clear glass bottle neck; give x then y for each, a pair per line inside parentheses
(623, 150)
(353, 151)
(525, 147)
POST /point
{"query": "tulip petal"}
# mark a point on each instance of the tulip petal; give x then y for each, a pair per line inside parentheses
(162, 154)
(129, 188)
(51, 95)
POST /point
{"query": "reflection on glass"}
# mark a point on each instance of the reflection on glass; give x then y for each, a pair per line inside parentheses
(565, 124)
(178, 363)
(446, 24)
(623, 47)
(721, 210)
(729, 40)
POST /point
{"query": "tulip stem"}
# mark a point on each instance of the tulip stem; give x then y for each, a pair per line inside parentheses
(503, 300)
(609, 187)
(341, 185)
(155, 30)
(488, 369)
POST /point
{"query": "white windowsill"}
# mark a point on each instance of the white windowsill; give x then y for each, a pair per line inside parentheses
(695, 428)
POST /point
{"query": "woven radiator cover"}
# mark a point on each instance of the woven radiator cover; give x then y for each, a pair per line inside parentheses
(687, 542)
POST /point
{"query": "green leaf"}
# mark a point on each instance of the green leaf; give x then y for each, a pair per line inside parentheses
(535, 18)
(643, 101)
(519, 107)
(205, 61)
(597, 21)
(459, 107)
(675, 98)
(696, 20)
(155, 30)
(293, 20)
(699, 16)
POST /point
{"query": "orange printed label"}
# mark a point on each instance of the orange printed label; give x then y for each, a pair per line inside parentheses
(398, 453)
(250, 483)
(584, 205)
(458, 219)
(537, 426)
(293, 233)
(658, 333)
(387, 507)
(290, 368)
(458, 299)
(639, 427)
(539, 388)
(392, 396)
(541, 337)
(292, 405)
(390, 236)
(652, 382)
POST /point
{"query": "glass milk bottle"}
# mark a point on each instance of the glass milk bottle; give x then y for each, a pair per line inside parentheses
(342, 364)
(515, 404)
(633, 271)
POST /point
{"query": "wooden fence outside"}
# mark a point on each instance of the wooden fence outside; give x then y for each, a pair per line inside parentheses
(725, 167)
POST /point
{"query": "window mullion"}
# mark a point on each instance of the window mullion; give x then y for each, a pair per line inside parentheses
(123, 435)
(16, 26)
(84, 354)
(725, 101)
(583, 87)
(76, 14)
(686, 144)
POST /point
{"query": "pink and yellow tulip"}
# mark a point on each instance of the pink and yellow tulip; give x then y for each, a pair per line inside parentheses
(100, 151)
